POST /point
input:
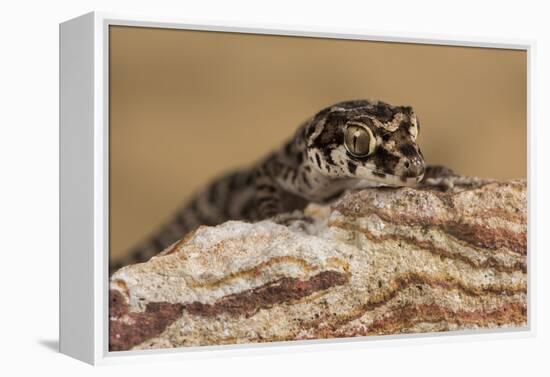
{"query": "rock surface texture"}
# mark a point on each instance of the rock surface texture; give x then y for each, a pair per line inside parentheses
(378, 261)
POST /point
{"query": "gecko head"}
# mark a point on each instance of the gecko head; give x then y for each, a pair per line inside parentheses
(371, 141)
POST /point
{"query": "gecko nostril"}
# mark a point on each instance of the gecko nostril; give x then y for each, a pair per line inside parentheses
(407, 164)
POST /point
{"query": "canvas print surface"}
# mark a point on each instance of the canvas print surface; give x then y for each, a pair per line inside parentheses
(274, 188)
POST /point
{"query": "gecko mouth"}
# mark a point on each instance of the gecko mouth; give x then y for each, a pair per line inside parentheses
(372, 178)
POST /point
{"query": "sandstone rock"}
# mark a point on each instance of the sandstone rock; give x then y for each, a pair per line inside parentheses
(378, 261)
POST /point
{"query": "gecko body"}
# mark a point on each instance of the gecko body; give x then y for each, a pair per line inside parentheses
(349, 145)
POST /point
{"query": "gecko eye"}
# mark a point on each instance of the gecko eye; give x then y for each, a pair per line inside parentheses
(359, 140)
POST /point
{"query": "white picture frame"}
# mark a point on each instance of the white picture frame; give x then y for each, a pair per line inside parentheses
(84, 200)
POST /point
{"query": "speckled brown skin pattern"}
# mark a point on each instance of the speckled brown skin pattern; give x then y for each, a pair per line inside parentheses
(315, 165)
(376, 261)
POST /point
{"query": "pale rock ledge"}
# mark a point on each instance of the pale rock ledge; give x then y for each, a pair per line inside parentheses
(378, 261)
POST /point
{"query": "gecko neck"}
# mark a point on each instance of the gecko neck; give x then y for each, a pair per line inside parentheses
(294, 173)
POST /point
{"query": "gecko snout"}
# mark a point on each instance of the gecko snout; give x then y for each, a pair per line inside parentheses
(413, 167)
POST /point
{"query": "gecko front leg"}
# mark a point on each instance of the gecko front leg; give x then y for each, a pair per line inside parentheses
(270, 204)
(445, 179)
(267, 196)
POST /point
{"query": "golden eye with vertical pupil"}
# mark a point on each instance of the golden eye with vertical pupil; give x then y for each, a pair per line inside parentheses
(359, 140)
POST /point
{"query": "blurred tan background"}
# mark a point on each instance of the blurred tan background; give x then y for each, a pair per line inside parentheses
(188, 105)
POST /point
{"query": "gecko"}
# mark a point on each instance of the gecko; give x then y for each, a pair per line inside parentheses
(350, 145)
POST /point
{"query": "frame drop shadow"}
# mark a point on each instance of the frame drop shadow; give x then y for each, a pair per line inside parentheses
(51, 344)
